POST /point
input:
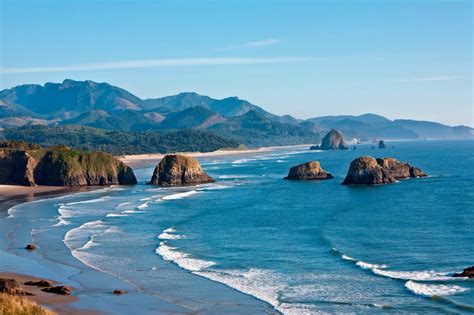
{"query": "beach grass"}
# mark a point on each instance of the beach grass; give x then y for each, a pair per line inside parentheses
(18, 305)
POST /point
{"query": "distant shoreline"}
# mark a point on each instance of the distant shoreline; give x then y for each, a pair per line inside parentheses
(137, 159)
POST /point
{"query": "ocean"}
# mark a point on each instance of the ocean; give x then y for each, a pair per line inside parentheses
(254, 243)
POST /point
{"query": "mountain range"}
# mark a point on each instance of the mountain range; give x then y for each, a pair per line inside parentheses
(104, 106)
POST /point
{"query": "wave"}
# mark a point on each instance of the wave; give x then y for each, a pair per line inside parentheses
(411, 277)
(180, 195)
(181, 259)
(101, 199)
(430, 290)
(143, 206)
(114, 215)
(123, 204)
(214, 187)
(64, 214)
(132, 211)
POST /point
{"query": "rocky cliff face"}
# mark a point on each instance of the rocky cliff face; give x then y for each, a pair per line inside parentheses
(369, 171)
(62, 167)
(308, 171)
(333, 140)
(178, 169)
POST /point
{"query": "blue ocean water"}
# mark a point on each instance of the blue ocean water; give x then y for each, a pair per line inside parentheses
(301, 247)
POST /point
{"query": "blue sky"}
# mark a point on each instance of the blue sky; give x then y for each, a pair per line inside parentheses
(400, 59)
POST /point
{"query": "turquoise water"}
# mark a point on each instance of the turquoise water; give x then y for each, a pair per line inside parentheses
(300, 247)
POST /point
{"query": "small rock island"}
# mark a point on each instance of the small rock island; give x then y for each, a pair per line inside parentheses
(30, 165)
(369, 171)
(382, 145)
(176, 169)
(308, 171)
(466, 273)
(333, 140)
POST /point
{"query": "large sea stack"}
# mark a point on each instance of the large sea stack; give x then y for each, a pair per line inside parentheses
(176, 169)
(369, 171)
(334, 140)
(60, 166)
(308, 171)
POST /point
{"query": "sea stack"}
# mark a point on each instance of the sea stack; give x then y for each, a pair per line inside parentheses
(175, 170)
(382, 144)
(369, 171)
(308, 171)
(334, 140)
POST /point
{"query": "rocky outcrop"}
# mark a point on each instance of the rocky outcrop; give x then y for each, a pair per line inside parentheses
(467, 273)
(369, 171)
(39, 283)
(62, 166)
(308, 171)
(178, 169)
(382, 144)
(333, 140)
(119, 292)
(11, 286)
(60, 289)
(30, 247)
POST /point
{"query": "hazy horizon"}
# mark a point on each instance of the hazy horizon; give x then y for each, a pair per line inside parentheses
(398, 59)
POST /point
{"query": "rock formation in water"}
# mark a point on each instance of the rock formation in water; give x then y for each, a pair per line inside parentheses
(62, 166)
(467, 273)
(308, 171)
(369, 171)
(178, 169)
(382, 144)
(334, 140)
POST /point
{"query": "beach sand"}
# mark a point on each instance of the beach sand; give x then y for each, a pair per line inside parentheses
(141, 159)
(55, 302)
(10, 196)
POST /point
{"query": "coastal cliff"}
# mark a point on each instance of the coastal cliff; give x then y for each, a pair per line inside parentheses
(176, 169)
(369, 171)
(61, 166)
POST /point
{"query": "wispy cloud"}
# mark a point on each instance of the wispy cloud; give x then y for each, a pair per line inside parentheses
(436, 78)
(258, 43)
(151, 63)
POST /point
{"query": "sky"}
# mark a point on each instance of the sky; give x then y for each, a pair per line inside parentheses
(397, 58)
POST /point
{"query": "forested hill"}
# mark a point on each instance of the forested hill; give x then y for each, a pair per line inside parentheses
(121, 142)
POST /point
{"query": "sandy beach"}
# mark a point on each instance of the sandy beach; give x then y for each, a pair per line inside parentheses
(54, 302)
(139, 159)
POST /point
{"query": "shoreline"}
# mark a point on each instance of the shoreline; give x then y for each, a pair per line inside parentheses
(10, 196)
(137, 159)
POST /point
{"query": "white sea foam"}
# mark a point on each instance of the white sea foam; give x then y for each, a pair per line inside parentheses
(433, 289)
(114, 215)
(214, 187)
(265, 285)
(143, 206)
(168, 235)
(132, 211)
(123, 204)
(180, 195)
(426, 275)
(101, 199)
(181, 259)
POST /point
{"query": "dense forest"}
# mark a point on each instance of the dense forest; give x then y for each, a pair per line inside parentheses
(120, 142)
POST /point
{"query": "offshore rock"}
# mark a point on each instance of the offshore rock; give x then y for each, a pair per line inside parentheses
(369, 171)
(334, 140)
(176, 169)
(308, 171)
